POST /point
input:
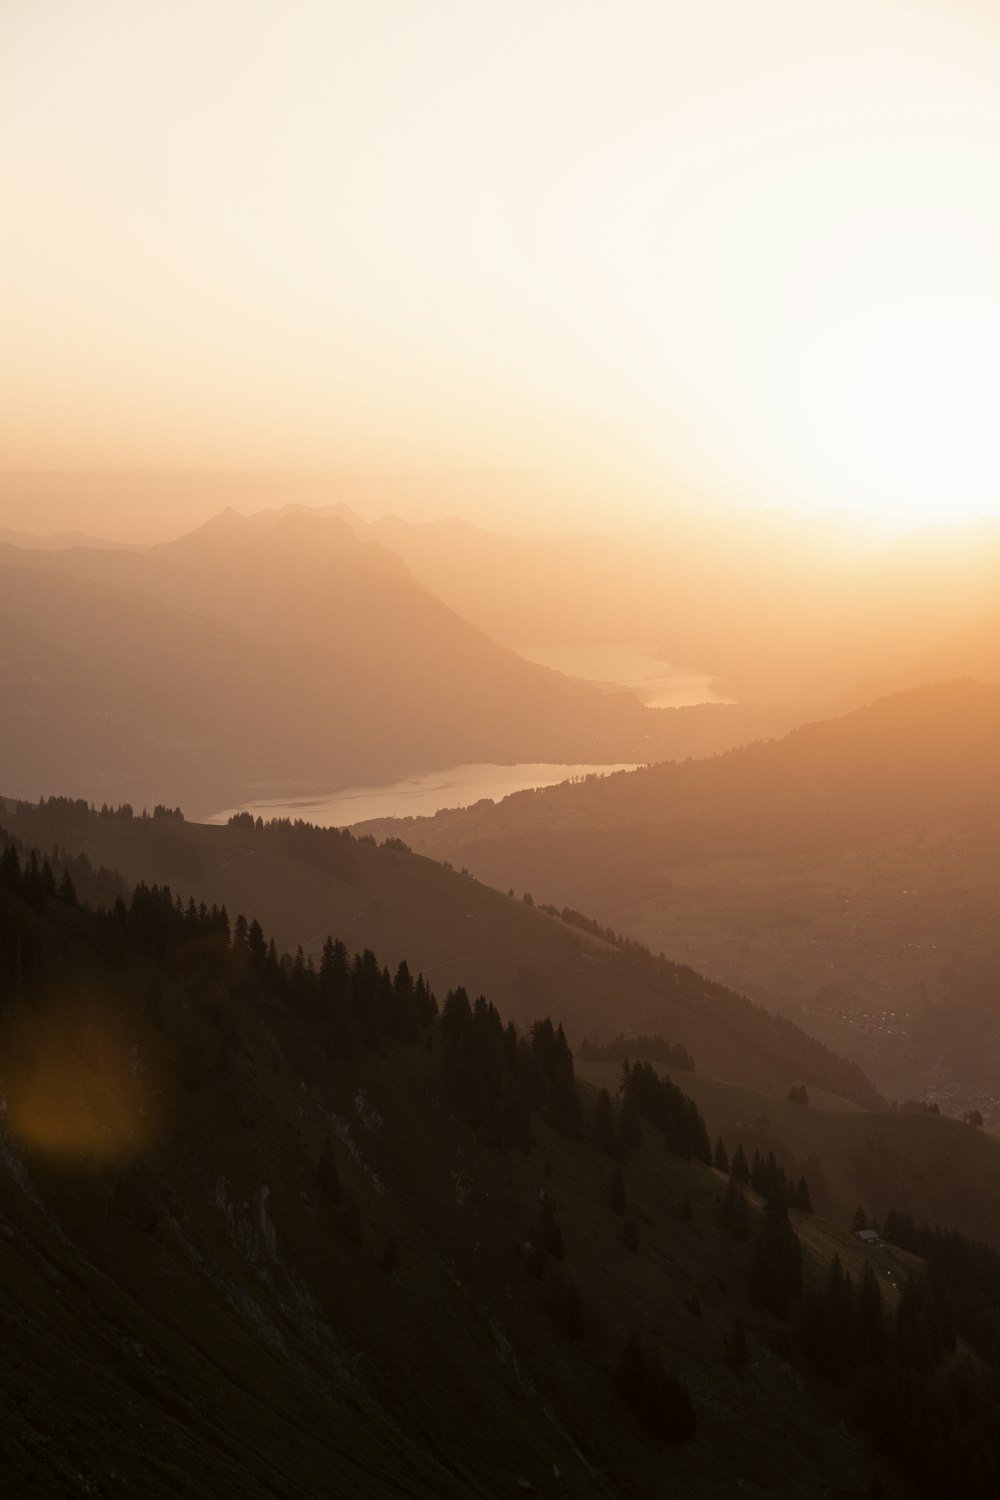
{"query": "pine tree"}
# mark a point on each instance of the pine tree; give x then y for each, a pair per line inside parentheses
(874, 1333)
(800, 1197)
(604, 1119)
(739, 1167)
(735, 1213)
(775, 1277)
(629, 1129)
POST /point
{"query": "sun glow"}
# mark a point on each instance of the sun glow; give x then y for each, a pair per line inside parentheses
(746, 252)
(906, 413)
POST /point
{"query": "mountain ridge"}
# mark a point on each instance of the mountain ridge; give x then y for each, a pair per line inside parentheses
(319, 1266)
(397, 654)
(844, 875)
(303, 880)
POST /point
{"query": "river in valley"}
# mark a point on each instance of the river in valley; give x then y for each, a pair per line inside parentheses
(657, 684)
(414, 796)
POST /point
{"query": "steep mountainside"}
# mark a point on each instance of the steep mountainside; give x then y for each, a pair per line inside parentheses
(305, 882)
(971, 652)
(836, 608)
(940, 1170)
(847, 874)
(308, 582)
(931, 748)
(311, 582)
(242, 1258)
(137, 697)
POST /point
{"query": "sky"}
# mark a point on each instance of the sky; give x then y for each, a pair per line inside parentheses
(555, 263)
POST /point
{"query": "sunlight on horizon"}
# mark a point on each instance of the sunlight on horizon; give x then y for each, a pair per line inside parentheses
(909, 406)
(640, 255)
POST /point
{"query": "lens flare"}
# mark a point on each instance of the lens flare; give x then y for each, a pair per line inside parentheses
(74, 1085)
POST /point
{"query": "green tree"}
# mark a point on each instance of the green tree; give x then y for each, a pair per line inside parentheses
(775, 1277)
(735, 1212)
(799, 1197)
(604, 1119)
(629, 1128)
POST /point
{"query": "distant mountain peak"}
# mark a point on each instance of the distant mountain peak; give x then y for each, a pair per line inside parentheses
(226, 518)
(300, 518)
(61, 541)
(227, 526)
(331, 539)
(275, 514)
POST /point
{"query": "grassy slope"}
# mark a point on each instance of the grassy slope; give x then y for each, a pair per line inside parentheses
(847, 875)
(529, 964)
(190, 1318)
(939, 1169)
(452, 928)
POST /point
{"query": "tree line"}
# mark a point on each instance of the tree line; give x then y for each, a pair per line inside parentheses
(654, 1048)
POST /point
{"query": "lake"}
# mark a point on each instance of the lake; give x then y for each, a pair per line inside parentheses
(415, 796)
(656, 683)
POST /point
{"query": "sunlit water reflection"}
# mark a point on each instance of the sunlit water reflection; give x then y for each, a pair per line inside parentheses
(415, 796)
(656, 683)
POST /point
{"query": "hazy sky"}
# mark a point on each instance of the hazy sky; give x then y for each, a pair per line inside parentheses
(578, 257)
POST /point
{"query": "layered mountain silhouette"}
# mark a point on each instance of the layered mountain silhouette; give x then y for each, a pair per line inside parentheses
(844, 874)
(272, 1231)
(780, 608)
(928, 752)
(304, 881)
(973, 651)
(125, 693)
(387, 679)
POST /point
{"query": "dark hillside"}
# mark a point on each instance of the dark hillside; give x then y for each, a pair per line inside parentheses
(304, 882)
(846, 875)
(941, 1170)
(240, 1260)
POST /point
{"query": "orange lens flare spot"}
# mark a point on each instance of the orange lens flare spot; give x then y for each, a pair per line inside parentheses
(74, 1088)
